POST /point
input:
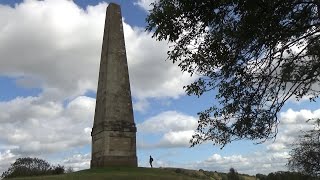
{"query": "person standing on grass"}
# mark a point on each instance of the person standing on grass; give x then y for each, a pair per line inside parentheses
(150, 161)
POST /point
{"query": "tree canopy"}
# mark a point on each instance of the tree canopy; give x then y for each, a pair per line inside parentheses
(254, 54)
(305, 156)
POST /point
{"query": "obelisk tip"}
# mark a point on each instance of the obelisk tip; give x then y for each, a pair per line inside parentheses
(114, 5)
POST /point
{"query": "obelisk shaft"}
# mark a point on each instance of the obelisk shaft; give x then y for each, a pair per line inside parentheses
(114, 131)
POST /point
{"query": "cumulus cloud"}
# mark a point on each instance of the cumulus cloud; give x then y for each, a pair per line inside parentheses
(57, 48)
(176, 139)
(257, 162)
(298, 117)
(34, 127)
(150, 74)
(275, 154)
(168, 121)
(52, 45)
(175, 128)
(6, 158)
(272, 155)
(78, 161)
(292, 124)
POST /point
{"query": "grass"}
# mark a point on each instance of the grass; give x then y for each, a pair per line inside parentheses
(134, 174)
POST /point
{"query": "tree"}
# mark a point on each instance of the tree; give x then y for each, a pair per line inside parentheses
(31, 167)
(254, 54)
(27, 167)
(305, 156)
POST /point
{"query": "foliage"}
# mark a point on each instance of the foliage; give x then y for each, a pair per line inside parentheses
(305, 156)
(254, 54)
(31, 167)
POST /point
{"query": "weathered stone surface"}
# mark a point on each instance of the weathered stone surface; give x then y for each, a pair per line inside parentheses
(114, 131)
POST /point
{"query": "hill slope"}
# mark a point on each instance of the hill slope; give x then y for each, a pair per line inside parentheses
(136, 173)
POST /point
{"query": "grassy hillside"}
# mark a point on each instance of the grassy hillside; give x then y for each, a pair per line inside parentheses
(136, 173)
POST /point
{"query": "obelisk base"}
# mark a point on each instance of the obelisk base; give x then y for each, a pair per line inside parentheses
(113, 161)
(114, 145)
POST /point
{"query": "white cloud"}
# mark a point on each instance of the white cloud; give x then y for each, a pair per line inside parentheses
(35, 127)
(150, 75)
(57, 48)
(141, 105)
(276, 147)
(272, 155)
(292, 124)
(254, 163)
(176, 139)
(218, 159)
(298, 117)
(78, 161)
(145, 4)
(6, 158)
(53, 45)
(175, 128)
(168, 121)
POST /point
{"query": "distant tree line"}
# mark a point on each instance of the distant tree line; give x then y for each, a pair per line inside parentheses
(285, 175)
(27, 166)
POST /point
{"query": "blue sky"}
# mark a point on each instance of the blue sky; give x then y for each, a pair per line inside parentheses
(50, 54)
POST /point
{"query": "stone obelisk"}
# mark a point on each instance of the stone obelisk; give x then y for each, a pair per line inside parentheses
(114, 131)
